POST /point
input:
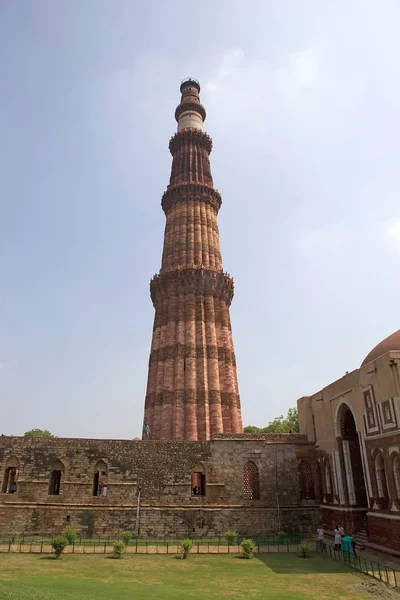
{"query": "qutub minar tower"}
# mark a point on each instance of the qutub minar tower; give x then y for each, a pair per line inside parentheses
(192, 387)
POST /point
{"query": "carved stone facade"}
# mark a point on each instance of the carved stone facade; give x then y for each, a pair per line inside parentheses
(355, 423)
(243, 480)
(192, 388)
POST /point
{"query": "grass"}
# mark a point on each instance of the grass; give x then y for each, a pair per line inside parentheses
(98, 577)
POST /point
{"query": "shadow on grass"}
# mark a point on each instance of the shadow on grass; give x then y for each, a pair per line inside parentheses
(49, 557)
(292, 564)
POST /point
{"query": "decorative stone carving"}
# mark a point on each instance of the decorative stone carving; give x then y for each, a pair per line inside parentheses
(190, 136)
(191, 191)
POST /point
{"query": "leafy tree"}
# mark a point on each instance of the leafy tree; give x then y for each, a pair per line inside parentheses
(118, 549)
(304, 551)
(290, 424)
(71, 535)
(58, 544)
(248, 547)
(185, 548)
(38, 433)
(126, 537)
(231, 537)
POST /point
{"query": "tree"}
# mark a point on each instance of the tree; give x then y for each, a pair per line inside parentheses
(38, 433)
(290, 424)
(59, 544)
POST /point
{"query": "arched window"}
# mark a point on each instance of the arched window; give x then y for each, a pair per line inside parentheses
(328, 476)
(198, 480)
(100, 479)
(380, 476)
(9, 485)
(251, 481)
(55, 478)
(396, 475)
(306, 482)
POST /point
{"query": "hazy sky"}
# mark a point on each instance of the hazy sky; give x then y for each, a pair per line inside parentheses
(302, 100)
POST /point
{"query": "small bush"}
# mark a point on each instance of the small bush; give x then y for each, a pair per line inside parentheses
(231, 537)
(126, 537)
(58, 544)
(118, 549)
(304, 551)
(15, 537)
(71, 535)
(248, 547)
(281, 534)
(185, 547)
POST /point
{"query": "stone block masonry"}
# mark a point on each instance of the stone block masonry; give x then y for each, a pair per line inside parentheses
(163, 471)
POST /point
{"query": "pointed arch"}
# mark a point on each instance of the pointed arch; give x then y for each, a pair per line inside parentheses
(396, 475)
(350, 453)
(306, 481)
(380, 479)
(251, 481)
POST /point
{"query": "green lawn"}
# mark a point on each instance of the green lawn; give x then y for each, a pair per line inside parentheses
(143, 577)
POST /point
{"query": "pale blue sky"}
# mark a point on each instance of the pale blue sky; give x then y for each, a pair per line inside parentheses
(302, 101)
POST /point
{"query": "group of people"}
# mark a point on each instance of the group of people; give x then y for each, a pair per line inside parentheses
(339, 538)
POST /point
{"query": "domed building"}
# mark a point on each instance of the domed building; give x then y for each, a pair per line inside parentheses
(354, 423)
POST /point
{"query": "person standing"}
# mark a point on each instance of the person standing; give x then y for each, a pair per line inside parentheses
(341, 529)
(338, 537)
(146, 431)
(320, 536)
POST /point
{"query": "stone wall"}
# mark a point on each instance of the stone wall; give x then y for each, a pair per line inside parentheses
(162, 470)
(384, 531)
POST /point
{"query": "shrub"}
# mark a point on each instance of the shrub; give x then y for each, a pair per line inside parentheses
(15, 536)
(58, 545)
(248, 547)
(304, 551)
(71, 535)
(185, 548)
(281, 534)
(231, 537)
(126, 537)
(118, 549)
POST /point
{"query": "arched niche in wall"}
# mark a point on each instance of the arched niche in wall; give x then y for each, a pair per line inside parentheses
(198, 485)
(100, 479)
(251, 481)
(350, 448)
(380, 479)
(10, 476)
(306, 481)
(56, 475)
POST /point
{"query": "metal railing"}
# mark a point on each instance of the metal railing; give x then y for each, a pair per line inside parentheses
(361, 563)
(104, 545)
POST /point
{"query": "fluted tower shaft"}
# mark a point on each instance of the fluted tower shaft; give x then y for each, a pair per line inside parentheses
(192, 388)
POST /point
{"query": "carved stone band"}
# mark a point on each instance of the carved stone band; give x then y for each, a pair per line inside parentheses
(191, 191)
(191, 281)
(190, 136)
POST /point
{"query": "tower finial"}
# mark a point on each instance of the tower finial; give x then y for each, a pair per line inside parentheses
(190, 114)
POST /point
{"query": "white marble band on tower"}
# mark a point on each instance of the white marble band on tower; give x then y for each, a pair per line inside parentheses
(191, 113)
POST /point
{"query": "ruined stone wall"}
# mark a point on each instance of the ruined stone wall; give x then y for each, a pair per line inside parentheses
(163, 472)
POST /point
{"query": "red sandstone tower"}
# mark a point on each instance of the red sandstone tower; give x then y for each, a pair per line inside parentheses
(192, 388)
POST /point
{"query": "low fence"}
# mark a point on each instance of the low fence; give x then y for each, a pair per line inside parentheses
(37, 544)
(38, 538)
(364, 565)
